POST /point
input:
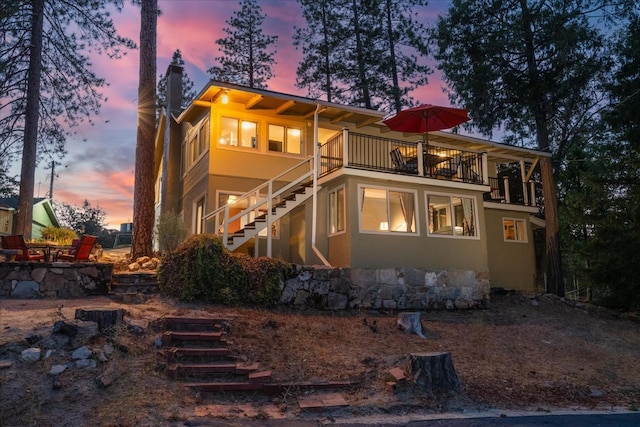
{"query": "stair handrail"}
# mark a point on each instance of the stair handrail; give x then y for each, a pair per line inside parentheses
(259, 201)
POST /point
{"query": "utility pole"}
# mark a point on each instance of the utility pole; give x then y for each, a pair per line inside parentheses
(53, 174)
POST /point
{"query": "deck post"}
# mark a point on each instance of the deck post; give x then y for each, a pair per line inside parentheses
(420, 159)
(485, 169)
(507, 196)
(345, 147)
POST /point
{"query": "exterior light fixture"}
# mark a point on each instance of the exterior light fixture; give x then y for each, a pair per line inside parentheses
(384, 226)
(224, 98)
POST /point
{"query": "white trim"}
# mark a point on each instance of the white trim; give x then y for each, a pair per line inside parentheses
(509, 207)
(387, 189)
(476, 236)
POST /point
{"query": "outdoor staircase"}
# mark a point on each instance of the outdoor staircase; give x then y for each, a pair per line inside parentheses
(196, 352)
(128, 285)
(261, 222)
(264, 204)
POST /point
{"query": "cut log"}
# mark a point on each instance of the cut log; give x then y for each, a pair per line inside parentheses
(434, 372)
(410, 323)
(104, 318)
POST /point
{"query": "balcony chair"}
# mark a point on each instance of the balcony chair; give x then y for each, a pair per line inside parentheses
(79, 252)
(400, 163)
(24, 253)
(451, 170)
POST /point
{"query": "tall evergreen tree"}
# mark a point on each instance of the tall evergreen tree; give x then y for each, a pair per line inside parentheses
(188, 94)
(370, 53)
(530, 68)
(47, 87)
(247, 54)
(144, 196)
(322, 42)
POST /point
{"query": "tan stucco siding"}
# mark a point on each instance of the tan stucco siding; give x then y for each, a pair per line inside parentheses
(512, 264)
(387, 250)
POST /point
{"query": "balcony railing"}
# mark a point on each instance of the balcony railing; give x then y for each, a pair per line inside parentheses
(401, 157)
(418, 159)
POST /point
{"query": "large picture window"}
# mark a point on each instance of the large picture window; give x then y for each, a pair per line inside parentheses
(515, 230)
(337, 211)
(387, 210)
(238, 133)
(285, 139)
(451, 215)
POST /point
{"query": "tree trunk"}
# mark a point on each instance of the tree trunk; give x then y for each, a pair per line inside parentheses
(24, 220)
(555, 282)
(104, 318)
(143, 198)
(434, 372)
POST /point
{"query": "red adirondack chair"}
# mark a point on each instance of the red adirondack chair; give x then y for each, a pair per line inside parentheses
(80, 252)
(17, 242)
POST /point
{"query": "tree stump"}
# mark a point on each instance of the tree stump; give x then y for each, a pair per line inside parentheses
(410, 323)
(104, 318)
(434, 372)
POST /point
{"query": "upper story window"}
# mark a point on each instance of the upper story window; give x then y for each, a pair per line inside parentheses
(284, 139)
(196, 142)
(386, 210)
(238, 133)
(451, 215)
(515, 230)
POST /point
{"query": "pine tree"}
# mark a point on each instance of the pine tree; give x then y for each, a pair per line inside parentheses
(47, 87)
(144, 196)
(322, 47)
(247, 54)
(370, 53)
(188, 94)
(529, 68)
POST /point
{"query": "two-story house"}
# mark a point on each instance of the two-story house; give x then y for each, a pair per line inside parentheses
(314, 182)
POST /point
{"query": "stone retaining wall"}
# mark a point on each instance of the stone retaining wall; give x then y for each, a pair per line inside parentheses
(54, 280)
(389, 288)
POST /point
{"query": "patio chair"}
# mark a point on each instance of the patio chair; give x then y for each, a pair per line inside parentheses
(17, 242)
(451, 170)
(80, 252)
(400, 163)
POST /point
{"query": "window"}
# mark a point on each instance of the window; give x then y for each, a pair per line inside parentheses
(386, 210)
(199, 217)
(284, 139)
(515, 230)
(236, 206)
(336, 211)
(451, 215)
(197, 142)
(238, 133)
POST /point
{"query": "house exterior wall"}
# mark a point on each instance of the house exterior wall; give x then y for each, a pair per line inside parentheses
(512, 263)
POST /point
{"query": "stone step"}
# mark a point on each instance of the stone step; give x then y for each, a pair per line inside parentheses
(129, 283)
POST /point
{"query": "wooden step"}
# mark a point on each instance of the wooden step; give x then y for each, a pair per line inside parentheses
(174, 353)
(270, 388)
(170, 336)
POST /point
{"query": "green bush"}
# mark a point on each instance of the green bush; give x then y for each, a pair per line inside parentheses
(202, 269)
(171, 231)
(62, 236)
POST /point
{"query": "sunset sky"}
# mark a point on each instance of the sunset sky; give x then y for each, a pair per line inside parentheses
(100, 161)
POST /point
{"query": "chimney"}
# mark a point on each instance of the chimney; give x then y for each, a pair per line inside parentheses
(174, 89)
(170, 191)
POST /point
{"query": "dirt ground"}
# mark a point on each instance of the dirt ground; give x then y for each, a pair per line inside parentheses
(523, 352)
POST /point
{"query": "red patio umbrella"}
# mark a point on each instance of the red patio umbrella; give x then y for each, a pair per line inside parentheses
(426, 118)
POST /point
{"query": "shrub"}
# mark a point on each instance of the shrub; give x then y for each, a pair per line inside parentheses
(202, 269)
(63, 236)
(171, 231)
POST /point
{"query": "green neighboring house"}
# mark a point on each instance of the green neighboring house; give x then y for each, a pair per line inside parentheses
(43, 215)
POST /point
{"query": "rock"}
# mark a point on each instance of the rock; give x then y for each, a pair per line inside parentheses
(83, 352)
(158, 342)
(134, 266)
(108, 350)
(4, 364)
(86, 364)
(594, 392)
(137, 327)
(26, 289)
(100, 356)
(48, 354)
(32, 338)
(109, 375)
(31, 354)
(57, 369)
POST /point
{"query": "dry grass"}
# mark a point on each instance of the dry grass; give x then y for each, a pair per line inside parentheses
(513, 355)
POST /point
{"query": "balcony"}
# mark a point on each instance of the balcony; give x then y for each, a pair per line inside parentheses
(417, 159)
